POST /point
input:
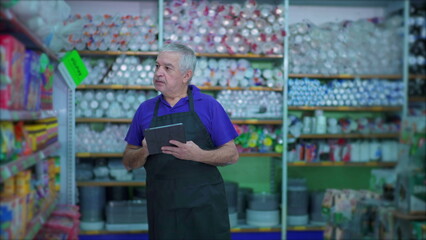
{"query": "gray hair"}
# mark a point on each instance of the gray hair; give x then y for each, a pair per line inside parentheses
(187, 60)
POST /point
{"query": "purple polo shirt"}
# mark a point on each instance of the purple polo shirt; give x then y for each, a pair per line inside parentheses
(211, 113)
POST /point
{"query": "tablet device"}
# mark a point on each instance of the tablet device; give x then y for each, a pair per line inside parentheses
(156, 137)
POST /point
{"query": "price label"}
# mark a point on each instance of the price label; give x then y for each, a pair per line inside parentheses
(75, 67)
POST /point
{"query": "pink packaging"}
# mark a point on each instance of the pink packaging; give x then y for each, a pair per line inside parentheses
(12, 69)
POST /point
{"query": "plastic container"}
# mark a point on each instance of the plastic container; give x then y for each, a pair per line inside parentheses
(297, 203)
(263, 202)
(242, 201)
(92, 226)
(263, 218)
(231, 189)
(126, 212)
(92, 203)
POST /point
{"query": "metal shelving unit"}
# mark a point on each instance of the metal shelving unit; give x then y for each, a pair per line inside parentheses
(128, 120)
(10, 169)
(63, 105)
(284, 90)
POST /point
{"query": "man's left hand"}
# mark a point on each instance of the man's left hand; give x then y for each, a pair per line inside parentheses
(184, 151)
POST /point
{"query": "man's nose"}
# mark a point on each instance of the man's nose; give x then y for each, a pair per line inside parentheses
(159, 71)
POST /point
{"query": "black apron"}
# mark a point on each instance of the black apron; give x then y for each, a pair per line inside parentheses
(186, 199)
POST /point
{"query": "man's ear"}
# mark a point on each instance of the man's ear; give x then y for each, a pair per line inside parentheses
(187, 76)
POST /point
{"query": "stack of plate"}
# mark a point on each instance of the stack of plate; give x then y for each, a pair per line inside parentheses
(263, 210)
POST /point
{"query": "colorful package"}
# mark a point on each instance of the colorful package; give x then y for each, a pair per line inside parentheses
(32, 81)
(47, 88)
(12, 73)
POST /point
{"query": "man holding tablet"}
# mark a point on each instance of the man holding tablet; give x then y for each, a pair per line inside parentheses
(185, 191)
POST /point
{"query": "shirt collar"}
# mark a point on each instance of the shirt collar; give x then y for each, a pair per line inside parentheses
(196, 93)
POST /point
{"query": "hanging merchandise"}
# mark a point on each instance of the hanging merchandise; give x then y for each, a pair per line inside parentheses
(45, 19)
(213, 27)
(365, 46)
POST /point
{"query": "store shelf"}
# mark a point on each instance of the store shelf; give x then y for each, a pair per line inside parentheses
(14, 115)
(110, 183)
(35, 225)
(341, 164)
(417, 216)
(249, 55)
(255, 88)
(346, 108)
(257, 121)
(344, 76)
(305, 228)
(212, 55)
(103, 232)
(349, 135)
(103, 120)
(258, 154)
(417, 99)
(417, 77)
(23, 33)
(234, 230)
(98, 155)
(116, 53)
(128, 120)
(9, 169)
(119, 155)
(114, 87)
(204, 88)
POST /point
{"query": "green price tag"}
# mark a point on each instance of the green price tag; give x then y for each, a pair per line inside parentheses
(75, 67)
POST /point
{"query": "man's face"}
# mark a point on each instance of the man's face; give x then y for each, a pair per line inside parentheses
(168, 78)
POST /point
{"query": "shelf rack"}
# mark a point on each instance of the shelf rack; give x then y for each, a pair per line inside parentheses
(10, 169)
(35, 225)
(118, 155)
(128, 120)
(344, 76)
(150, 87)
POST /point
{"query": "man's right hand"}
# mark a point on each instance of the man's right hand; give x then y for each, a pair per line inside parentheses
(135, 156)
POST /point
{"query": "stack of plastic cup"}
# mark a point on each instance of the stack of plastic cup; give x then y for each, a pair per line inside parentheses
(125, 70)
(110, 103)
(235, 73)
(108, 138)
(114, 33)
(364, 46)
(249, 103)
(213, 27)
(345, 92)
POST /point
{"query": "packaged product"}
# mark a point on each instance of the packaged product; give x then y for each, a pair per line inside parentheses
(32, 81)
(12, 73)
(7, 141)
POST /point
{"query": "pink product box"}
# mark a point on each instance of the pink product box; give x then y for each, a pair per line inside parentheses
(12, 73)
(32, 94)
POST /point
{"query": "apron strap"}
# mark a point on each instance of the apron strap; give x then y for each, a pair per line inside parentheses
(191, 100)
(157, 105)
